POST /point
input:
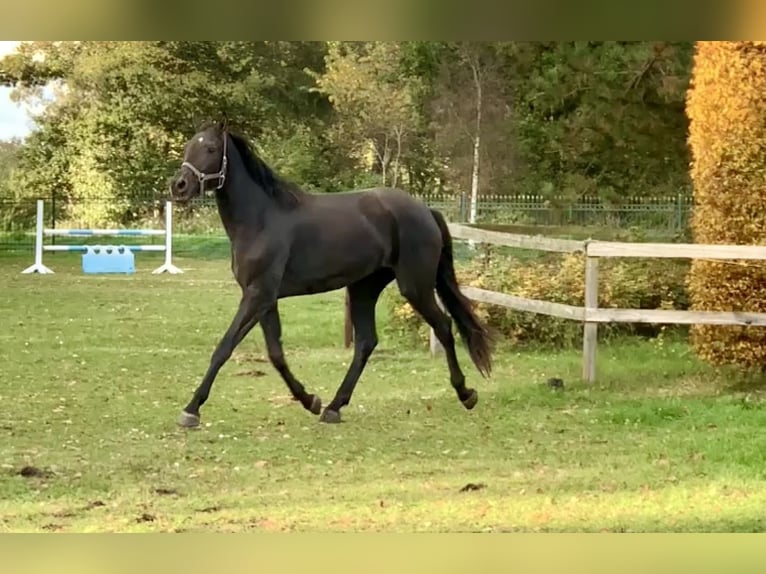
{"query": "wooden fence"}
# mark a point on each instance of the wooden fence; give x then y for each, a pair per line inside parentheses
(590, 314)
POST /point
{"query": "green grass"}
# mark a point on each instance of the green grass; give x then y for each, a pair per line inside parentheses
(95, 370)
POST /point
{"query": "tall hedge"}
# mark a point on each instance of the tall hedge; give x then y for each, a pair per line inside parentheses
(726, 106)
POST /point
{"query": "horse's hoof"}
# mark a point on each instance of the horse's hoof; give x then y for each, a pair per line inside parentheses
(471, 401)
(329, 416)
(188, 420)
(316, 405)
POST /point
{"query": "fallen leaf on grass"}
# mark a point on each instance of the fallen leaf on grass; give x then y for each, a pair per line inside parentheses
(64, 514)
(166, 491)
(555, 383)
(267, 525)
(252, 373)
(471, 486)
(281, 400)
(247, 357)
(33, 471)
(74, 512)
(214, 508)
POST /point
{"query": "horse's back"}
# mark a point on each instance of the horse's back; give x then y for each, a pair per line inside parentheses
(398, 217)
(414, 218)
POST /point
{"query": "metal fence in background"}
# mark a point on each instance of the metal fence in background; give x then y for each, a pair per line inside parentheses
(198, 223)
(655, 213)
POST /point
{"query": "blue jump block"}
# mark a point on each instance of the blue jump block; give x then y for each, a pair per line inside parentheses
(108, 259)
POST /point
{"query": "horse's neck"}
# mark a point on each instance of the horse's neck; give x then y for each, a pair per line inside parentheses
(226, 213)
(241, 205)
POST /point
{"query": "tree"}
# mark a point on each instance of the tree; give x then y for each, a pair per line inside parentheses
(373, 101)
(603, 119)
(116, 129)
(727, 133)
(469, 112)
(9, 152)
(572, 119)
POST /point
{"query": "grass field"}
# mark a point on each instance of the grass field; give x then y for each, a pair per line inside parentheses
(95, 370)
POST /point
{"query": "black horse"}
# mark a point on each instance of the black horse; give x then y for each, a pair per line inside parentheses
(287, 242)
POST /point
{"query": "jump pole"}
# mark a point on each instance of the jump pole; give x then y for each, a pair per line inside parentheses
(40, 232)
(37, 266)
(168, 266)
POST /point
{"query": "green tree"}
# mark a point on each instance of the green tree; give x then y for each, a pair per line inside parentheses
(9, 152)
(574, 119)
(602, 118)
(373, 102)
(570, 119)
(469, 117)
(117, 127)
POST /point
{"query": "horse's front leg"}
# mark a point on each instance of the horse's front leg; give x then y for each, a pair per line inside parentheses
(272, 332)
(254, 303)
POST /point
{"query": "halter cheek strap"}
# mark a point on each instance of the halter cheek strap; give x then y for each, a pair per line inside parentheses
(203, 177)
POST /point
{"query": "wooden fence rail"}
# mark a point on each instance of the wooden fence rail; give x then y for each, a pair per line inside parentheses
(590, 314)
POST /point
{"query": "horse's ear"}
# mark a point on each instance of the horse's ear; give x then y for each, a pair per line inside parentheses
(224, 123)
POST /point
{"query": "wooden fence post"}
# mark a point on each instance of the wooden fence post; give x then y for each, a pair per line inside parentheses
(348, 327)
(590, 329)
(434, 343)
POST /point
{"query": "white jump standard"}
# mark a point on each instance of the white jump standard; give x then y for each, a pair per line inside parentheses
(41, 232)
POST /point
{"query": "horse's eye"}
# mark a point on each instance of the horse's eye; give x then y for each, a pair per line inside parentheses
(210, 149)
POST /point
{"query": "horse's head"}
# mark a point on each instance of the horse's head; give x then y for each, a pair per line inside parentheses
(204, 161)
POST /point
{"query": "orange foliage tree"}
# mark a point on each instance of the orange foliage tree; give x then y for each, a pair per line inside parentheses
(726, 106)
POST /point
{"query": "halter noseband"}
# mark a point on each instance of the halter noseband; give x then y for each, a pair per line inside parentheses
(203, 177)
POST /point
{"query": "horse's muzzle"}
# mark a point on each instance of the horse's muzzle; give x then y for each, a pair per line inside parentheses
(181, 189)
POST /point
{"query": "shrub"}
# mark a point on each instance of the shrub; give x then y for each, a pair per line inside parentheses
(727, 137)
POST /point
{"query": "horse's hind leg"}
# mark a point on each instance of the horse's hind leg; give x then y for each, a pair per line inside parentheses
(272, 332)
(420, 294)
(363, 296)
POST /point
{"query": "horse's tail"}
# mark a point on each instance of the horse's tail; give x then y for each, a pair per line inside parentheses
(475, 335)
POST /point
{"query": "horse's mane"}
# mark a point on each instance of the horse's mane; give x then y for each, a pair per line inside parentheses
(284, 192)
